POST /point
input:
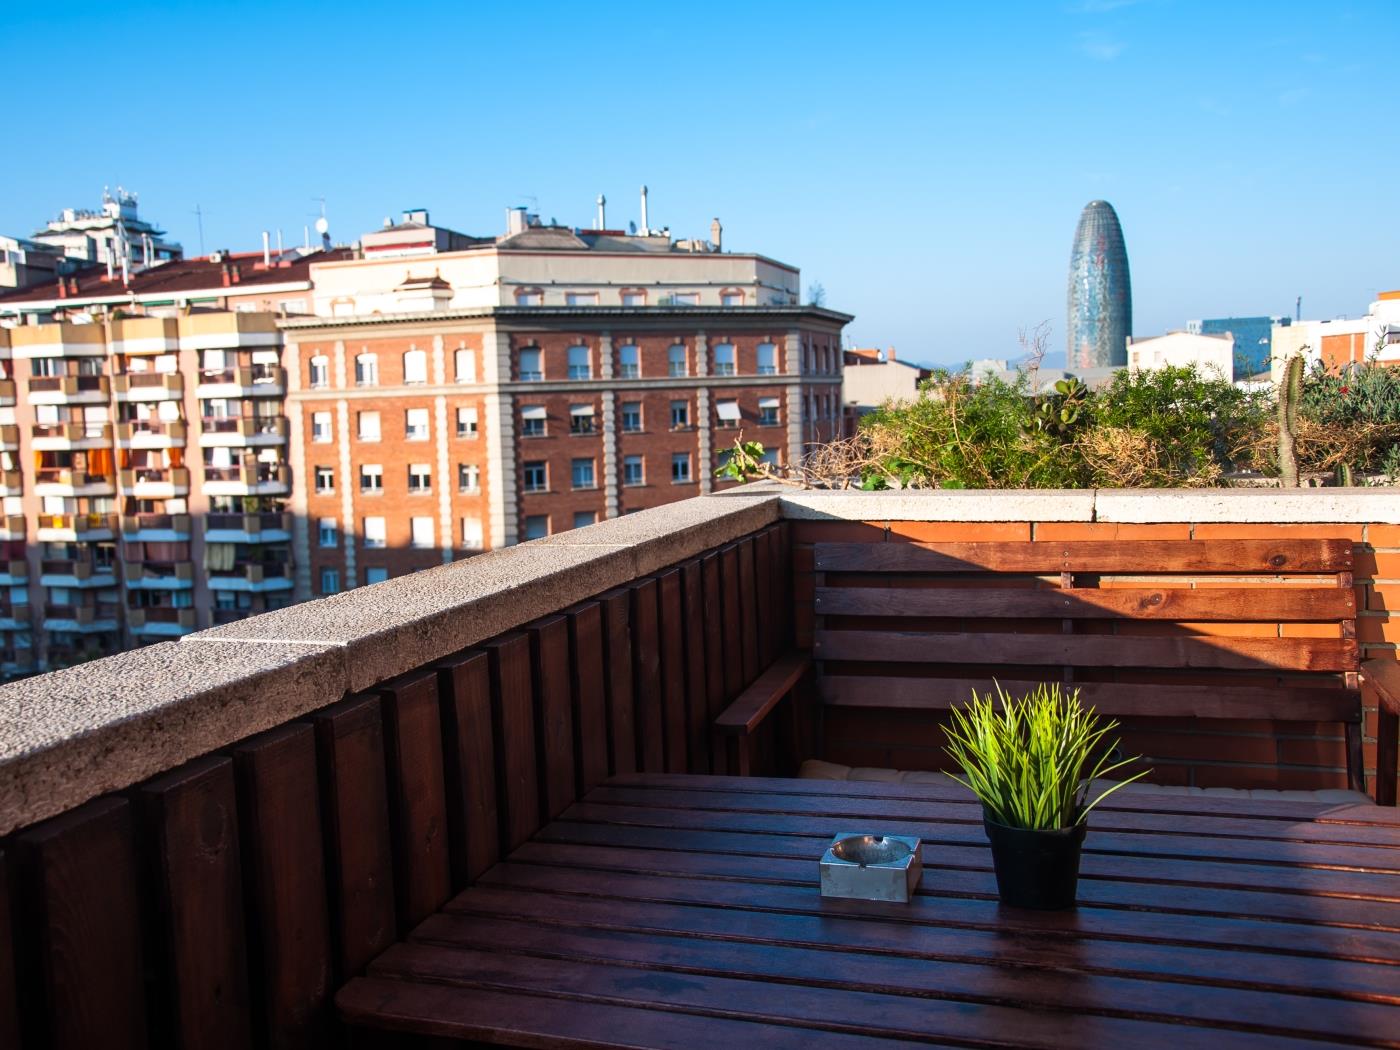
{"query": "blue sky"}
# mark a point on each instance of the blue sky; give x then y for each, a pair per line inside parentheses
(926, 163)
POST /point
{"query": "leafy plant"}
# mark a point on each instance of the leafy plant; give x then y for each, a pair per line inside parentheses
(1031, 761)
(744, 462)
(1057, 413)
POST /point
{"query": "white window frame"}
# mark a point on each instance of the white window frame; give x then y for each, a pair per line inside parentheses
(368, 471)
(627, 407)
(677, 459)
(531, 355)
(415, 367)
(729, 367)
(538, 467)
(422, 535)
(366, 369)
(328, 533)
(628, 462)
(412, 432)
(629, 369)
(317, 474)
(592, 472)
(322, 432)
(374, 532)
(368, 426)
(580, 360)
(530, 415)
(319, 374)
(420, 479)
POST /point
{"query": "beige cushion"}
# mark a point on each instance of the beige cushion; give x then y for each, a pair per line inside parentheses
(873, 773)
(816, 769)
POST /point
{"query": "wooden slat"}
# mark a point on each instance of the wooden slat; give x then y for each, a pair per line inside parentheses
(417, 796)
(748, 610)
(1113, 556)
(554, 717)
(1242, 604)
(782, 584)
(513, 728)
(716, 687)
(590, 713)
(189, 821)
(671, 628)
(355, 808)
(1283, 654)
(469, 766)
(617, 680)
(1384, 678)
(1284, 703)
(78, 898)
(750, 707)
(696, 687)
(764, 543)
(9, 977)
(731, 622)
(646, 675)
(280, 832)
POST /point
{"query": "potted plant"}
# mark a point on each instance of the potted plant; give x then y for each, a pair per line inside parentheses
(1032, 762)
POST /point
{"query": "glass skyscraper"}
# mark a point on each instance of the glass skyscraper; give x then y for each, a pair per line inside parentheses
(1100, 291)
(1254, 338)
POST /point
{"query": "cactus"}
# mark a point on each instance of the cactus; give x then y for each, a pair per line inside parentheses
(1290, 389)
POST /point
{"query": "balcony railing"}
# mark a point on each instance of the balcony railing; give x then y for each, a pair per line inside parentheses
(141, 617)
(148, 382)
(77, 568)
(245, 426)
(69, 478)
(245, 376)
(178, 477)
(176, 523)
(174, 429)
(70, 386)
(262, 474)
(78, 523)
(249, 523)
(74, 431)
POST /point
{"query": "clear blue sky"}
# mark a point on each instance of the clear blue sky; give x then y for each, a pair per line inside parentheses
(926, 164)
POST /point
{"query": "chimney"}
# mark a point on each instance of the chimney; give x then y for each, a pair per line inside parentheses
(516, 221)
(717, 234)
(602, 213)
(226, 274)
(267, 251)
(646, 229)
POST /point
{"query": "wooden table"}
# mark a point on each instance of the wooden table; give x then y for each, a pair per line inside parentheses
(683, 911)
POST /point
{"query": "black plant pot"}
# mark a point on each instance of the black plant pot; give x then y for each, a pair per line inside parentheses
(1036, 869)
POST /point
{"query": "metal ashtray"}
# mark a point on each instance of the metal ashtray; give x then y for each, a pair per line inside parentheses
(871, 867)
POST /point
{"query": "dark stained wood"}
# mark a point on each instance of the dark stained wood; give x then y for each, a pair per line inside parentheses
(712, 590)
(554, 713)
(78, 891)
(285, 882)
(764, 543)
(513, 729)
(731, 622)
(617, 678)
(646, 675)
(748, 609)
(417, 796)
(189, 833)
(1164, 556)
(1384, 678)
(590, 714)
(355, 809)
(671, 629)
(9, 987)
(697, 701)
(782, 584)
(469, 765)
(753, 704)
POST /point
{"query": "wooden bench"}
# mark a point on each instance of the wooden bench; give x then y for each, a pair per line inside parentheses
(1228, 629)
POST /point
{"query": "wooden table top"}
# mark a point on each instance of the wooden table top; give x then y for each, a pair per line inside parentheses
(683, 911)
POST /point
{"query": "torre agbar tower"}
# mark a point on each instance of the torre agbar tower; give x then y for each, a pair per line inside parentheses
(1100, 312)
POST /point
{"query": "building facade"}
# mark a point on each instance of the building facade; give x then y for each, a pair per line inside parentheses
(1210, 355)
(1100, 300)
(1343, 341)
(1253, 340)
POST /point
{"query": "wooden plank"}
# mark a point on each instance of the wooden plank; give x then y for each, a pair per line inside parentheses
(1242, 604)
(513, 732)
(590, 713)
(417, 796)
(748, 610)
(731, 622)
(617, 679)
(716, 694)
(646, 675)
(285, 884)
(189, 825)
(1114, 556)
(1199, 651)
(764, 543)
(469, 765)
(1384, 678)
(783, 600)
(554, 718)
(9, 977)
(78, 899)
(671, 628)
(754, 703)
(696, 686)
(355, 808)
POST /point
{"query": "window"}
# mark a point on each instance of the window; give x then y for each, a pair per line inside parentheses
(529, 297)
(374, 532)
(420, 532)
(321, 427)
(321, 370)
(371, 479)
(629, 362)
(724, 359)
(633, 470)
(583, 474)
(471, 534)
(732, 299)
(631, 417)
(584, 518)
(367, 370)
(531, 366)
(468, 477)
(536, 526)
(767, 359)
(416, 424)
(680, 415)
(464, 366)
(580, 298)
(768, 411)
(680, 468)
(415, 367)
(532, 419)
(466, 423)
(676, 364)
(325, 480)
(685, 299)
(728, 412)
(420, 478)
(634, 298)
(327, 533)
(375, 574)
(580, 363)
(330, 581)
(769, 456)
(536, 476)
(367, 425)
(581, 419)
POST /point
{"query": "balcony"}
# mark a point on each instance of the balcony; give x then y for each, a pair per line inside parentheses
(228, 330)
(155, 482)
(14, 572)
(69, 390)
(71, 572)
(63, 339)
(81, 619)
(9, 437)
(151, 433)
(268, 527)
(264, 479)
(64, 481)
(15, 617)
(62, 437)
(252, 576)
(12, 527)
(7, 393)
(159, 576)
(248, 381)
(148, 386)
(141, 336)
(61, 528)
(160, 622)
(243, 432)
(143, 528)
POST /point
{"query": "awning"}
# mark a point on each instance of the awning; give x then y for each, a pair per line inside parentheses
(580, 410)
(532, 412)
(728, 409)
(768, 402)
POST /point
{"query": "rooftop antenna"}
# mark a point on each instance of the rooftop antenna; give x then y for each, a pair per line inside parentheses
(1298, 308)
(602, 212)
(646, 228)
(199, 217)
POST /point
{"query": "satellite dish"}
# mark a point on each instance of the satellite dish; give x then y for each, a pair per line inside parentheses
(322, 226)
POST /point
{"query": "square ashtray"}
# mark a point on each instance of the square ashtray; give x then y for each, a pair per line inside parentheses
(871, 867)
